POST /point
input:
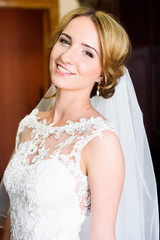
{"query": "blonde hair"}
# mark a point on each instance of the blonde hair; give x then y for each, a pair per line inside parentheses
(115, 46)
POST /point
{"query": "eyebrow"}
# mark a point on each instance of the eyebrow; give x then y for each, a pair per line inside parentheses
(83, 44)
(86, 45)
(66, 35)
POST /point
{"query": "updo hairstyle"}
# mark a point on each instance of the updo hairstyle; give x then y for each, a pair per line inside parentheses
(115, 46)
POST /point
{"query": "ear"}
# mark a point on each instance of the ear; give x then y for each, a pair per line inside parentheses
(99, 79)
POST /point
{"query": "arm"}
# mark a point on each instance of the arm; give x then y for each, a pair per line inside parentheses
(105, 166)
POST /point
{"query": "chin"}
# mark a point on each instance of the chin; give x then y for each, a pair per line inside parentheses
(60, 84)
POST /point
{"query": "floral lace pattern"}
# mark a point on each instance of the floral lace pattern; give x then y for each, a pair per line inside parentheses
(49, 194)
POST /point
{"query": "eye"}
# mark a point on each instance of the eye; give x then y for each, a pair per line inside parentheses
(89, 54)
(64, 41)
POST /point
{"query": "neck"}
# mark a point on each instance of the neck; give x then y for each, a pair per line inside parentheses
(69, 105)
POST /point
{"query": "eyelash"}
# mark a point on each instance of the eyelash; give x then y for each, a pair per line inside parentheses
(64, 41)
(88, 54)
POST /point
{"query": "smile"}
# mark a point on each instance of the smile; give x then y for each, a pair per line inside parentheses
(63, 70)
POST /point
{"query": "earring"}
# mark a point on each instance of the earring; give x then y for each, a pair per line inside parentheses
(97, 92)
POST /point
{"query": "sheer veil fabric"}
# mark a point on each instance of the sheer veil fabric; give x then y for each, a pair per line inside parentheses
(137, 217)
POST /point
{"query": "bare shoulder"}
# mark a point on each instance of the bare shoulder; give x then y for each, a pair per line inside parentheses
(105, 144)
(93, 112)
(102, 152)
(108, 143)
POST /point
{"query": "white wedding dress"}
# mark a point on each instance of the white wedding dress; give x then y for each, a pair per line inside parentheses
(49, 194)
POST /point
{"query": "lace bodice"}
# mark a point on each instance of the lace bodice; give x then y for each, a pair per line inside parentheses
(49, 194)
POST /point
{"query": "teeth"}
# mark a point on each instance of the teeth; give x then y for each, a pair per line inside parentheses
(62, 69)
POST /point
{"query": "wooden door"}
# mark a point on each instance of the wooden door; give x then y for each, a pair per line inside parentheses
(21, 71)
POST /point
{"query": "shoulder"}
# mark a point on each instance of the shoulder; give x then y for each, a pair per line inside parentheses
(105, 143)
(103, 128)
(102, 136)
(29, 117)
(34, 117)
(104, 146)
(100, 123)
(30, 120)
(104, 160)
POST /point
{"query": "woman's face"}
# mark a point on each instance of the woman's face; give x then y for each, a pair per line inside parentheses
(75, 61)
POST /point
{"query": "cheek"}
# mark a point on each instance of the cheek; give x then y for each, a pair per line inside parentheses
(54, 55)
(92, 70)
(55, 52)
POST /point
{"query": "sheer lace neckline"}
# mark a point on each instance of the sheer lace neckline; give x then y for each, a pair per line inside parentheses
(67, 123)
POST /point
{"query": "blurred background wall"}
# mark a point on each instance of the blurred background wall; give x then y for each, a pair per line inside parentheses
(66, 6)
(25, 29)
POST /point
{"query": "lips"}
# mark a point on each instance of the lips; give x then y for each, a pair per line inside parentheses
(63, 69)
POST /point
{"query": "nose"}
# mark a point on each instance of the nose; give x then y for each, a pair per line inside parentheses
(68, 56)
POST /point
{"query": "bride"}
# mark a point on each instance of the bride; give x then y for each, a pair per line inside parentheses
(70, 169)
